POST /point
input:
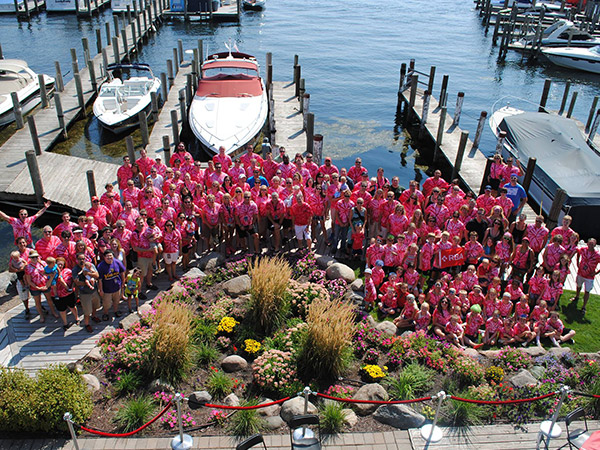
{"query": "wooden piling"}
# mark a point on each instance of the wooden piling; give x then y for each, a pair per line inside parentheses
(557, 203)
(545, 93)
(130, 148)
(464, 136)
(91, 182)
(60, 115)
(302, 88)
(43, 91)
(167, 150)
(594, 128)
(107, 32)
(480, 126)
(17, 111)
(144, 128)
(34, 173)
(170, 73)
(588, 123)
(414, 83)
(74, 62)
(1, 54)
(188, 89)
(154, 103)
(486, 174)
(174, 125)
(105, 62)
(310, 132)
(297, 76)
(402, 77)
(460, 98)
(164, 87)
(440, 134)
(425, 112)
(200, 56)
(86, 49)
(565, 96)
(572, 104)
(182, 108)
(531, 162)
(444, 91)
(124, 42)
(34, 135)
(431, 79)
(180, 51)
(92, 72)
(80, 98)
(116, 53)
(98, 40)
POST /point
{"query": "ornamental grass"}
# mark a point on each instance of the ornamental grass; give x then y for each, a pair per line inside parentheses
(268, 304)
(170, 349)
(326, 350)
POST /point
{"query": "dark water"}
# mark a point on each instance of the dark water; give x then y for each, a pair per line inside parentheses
(350, 54)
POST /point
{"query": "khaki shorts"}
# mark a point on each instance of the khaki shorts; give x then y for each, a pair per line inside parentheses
(302, 232)
(111, 299)
(145, 265)
(170, 258)
(587, 283)
(89, 303)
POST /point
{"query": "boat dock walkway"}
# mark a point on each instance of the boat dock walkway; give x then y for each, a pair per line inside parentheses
(289, 120)
(228, 11)
(90, 7)
(55, 169)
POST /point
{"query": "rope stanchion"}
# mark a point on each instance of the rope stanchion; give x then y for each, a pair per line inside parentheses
(131, 433)
(262, 405)
(583, 394)
(503, 402)
(375, 402)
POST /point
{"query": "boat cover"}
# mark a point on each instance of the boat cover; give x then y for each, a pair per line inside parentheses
(561, 152)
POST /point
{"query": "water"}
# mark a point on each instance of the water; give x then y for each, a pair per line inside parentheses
(350, 54)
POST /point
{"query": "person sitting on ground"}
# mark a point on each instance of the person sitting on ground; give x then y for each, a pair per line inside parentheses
(454, 331)
(388, 302)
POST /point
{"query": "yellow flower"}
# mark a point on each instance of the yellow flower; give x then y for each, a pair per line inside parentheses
(251, 346)
(374, 371)
(227, 324)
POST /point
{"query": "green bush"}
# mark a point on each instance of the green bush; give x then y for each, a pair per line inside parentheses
(468, 371)
(127, 383)
(246, 422)
(38, 404)
(463, 414)
(203, 330)
(413, 380)
(332, 418)
(206, 354)
(218, 384)
(136, 412)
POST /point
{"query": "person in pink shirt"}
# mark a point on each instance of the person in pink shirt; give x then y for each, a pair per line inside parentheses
(113, 206)
(522, 306)
(287, 168)
(36, 280)
(565, 229)
(312, 167)
(161, 169)
(302, 214)
(588, 259)
(537, 234)
(149, 202)
(65, 225)
(435, 181)
(355, 172)
(246, 220)
(237, 170)
(124, 173)
(108, 189)
(269, 167)
(46, 246)
(328, 168)
(318, 204)
(342, 214)
(505, 202)
(496, 172)
(124, 237)
(538, 311)
(171, 249)
(22, 225)
(223, 158)
(386, 209)
(247, 157)
(141, 245)
(493, 328)
(510, 170)
(101, 214)
(552, 253)
(486, 200)
(210, 222)
(473, 323)
(557, 332)
(145, 163)
(553, 291)
(66, 249)
(179, 154)
(131, 194)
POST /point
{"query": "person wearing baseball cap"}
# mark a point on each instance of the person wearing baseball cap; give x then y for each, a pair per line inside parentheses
(517, 194)
(472, 324)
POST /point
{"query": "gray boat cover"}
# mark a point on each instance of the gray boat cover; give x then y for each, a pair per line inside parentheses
(561, 151)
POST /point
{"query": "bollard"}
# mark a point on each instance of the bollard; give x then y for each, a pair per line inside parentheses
(104, 62)
(180, 51)
(563, 102)
(318, 148)
(17, 111)
(34, 135)
(500, 142)
(302, 88)
(36, 178)
(265, 147)
(130, 148)
(572, 105)
(440, 134)
(98, 40)
(431, 432)
(588, 123)
(175, 125)
(91, 182)
(464, 136)
(58, 79)
(310, 132)
(402, 76)
(426, 100)
(170, 73)
(182, 108)
(107, 32)
(175, 60)
(92, 71)
(414, 83)
(116, 53)
(144, 128)
(594, 128)
(460, 98)
(305, 107)
(181, 441)
(86, 49)
(134, 37)
(154, 105)
(549, 428)
(68, 418)
(1, 54)
(43, 91)
(116, 24)
(545, 93)
(297, 76)
(444, 91)
(480, 126)
(80, 98)
(124, 42)
(164, 87)
(167, 150)
(431, 79)
(60, 115)
(188, 89)
(531, 162)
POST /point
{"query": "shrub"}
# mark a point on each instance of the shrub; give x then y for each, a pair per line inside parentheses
(326, 348)
(218, 384)
(218, 309)
(206, 354)
(246, 422)
(126, 349)
(127, 382)
(203, 330)
(275, 370)
(268, 306)
(589, 370)
(340, 391)
(304, 266)
(463, 414)
(468, 371)
(134, 413)
(371, 356)
(372, 373)
(593, 404)
(17, 401)
(332, 418)
(413, 380)
(170, 350)
(288, 339)
(300, 295)
(495, 374)
(513, 359)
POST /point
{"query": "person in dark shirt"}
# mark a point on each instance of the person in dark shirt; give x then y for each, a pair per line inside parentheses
(479, 224)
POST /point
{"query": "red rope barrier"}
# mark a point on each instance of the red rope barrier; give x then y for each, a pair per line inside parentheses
(262, 405)
(583, 394)
(105, 434)
(503, 402)
(374, 402)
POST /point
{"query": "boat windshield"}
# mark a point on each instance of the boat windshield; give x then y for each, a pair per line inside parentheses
(230, 72)
(136, 89)
(576, 35)
(13, 81)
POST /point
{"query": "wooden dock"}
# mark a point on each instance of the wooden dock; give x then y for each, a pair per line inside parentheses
(87, 8)
(228, 12)
(54, 169)
(289, 121)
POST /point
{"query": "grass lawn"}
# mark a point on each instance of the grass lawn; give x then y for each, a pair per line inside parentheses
(587, 327)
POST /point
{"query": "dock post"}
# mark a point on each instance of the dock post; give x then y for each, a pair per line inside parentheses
(486, 174)
(559, 199)
(80, 98)
(531, 162)
(297, 75)
(164, 86)
(98, 40)
(17, 111)
(144, 128)
(104, 62)
(269, 74)
(176, 60)
(545, 93)
(138, 21)
(188, 89)
(588, 123)
(460, 99)
(170, 73)
(134, 37)
(572, 104)
(402, 76)
(86, 49)
(130, 147)
(175, 125)
(414, 82)
(116, 52)
(431, 79)
(116, 24)
(305, 109)
(92, 71)
(89, 7)
(200, 56)
(565, 96)
(34, 135)
(594, 128)
(440, 134)
(129, 14)
(60, 115)
(1, 55)
(91, 182)
(444, 91)
(74, 62)
(180, 51)
(424, 114)
(195, 69)
(154, 103)
(125, 45)
(480, 126)
(107, 32)
(500, 142)
(143, 12)
(43, 91)
(464, 136)
(301, 91)
(310, 132)
(167, 150)
(499, 18)
(36, 178)
(182, 108)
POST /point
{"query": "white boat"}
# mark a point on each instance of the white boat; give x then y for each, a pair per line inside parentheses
(230, 105)
(561, 33)
(16, 76)
(121, 5)
(565, 159)
(121, 98)
(586, 59)
(254, 5)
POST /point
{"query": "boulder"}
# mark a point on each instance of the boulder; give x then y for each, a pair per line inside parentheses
(129, 321)
(211, 261)
(357, 298)
(273, 422)
(537, 371)
(325, 261)
(295, 407)
(75, 367)
(523, 378)
(534, 351)
(559, 351)
(231, 400)
(490, 353)
(399, 416)
(371, 391)
(472, 353)
(198, 398)
(357, 285)
(95, 354)
(269, 411)
(237, 286)
(339, 270)
(233, 363)
(144, 309)
(92, 383)
(350, 417)
(194, 272)
(161, 385)
(371, 321)
(7, 280)
(387, 327)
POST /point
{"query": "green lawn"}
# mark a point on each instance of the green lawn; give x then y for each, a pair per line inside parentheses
(587, 327)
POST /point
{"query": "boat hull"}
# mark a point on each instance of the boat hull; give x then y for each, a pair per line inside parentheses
(28, 100)
(578, 62)
(254, 6)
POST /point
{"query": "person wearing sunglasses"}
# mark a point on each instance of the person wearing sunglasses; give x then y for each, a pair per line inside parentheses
(21, 225)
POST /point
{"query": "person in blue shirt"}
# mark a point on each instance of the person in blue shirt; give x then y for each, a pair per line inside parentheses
(517, 194)
(257, 177)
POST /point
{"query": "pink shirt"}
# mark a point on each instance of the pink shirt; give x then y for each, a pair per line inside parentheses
(588, 262)
(36, 272)
(246, 212)
(47, 247)
(211, 215)
(537, 237)
(344, 210)
(493, 325)
(172, 241)
(22, 228)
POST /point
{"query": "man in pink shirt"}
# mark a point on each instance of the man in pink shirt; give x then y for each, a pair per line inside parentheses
(113, 206)
(311, 166)
(218, 175)
(124, 173)
(588, 259)
(101, 214)
(47, 245)
(356, 170)
(145, 163)
(129, 215)
(247, 157)
(537, 234)
(342, 213)
(141, 245)
(328, 168)
(246, 221)
(303, 171)
(124, 236)
(486, 201)
(179, 154)
(22, 225)
(131, 194)
(65, 225)
(223, 158)
(302, 214)
(435, 181)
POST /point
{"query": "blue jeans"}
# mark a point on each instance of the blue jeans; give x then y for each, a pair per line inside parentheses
(340, 233)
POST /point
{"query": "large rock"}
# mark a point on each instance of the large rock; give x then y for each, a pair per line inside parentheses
(194, 272)
(237, 286)
(75, 367)
(523, 378)
(490, 353)
(387, 327)
(129, 321)
(471, 352)
(399, 416)
(371, 321)
(325, 261)
(161, 385)
(273, 422)
(7, 281)
(95, 354)
(231, 400)
(268, 411)
(537, 371)
(198, 398)
(234, 363)
(534, 351)
(144, 309)
(350, 417)
(559, 351)
(371, 391)
(357, 298)
(211, 261)
(295, 407)
(339, 270)
(92, 383)
(357, 285)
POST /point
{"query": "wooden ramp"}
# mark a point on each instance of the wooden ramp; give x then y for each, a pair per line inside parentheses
(289, 121)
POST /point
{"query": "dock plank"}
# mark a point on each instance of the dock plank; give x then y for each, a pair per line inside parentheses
(289, 122)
